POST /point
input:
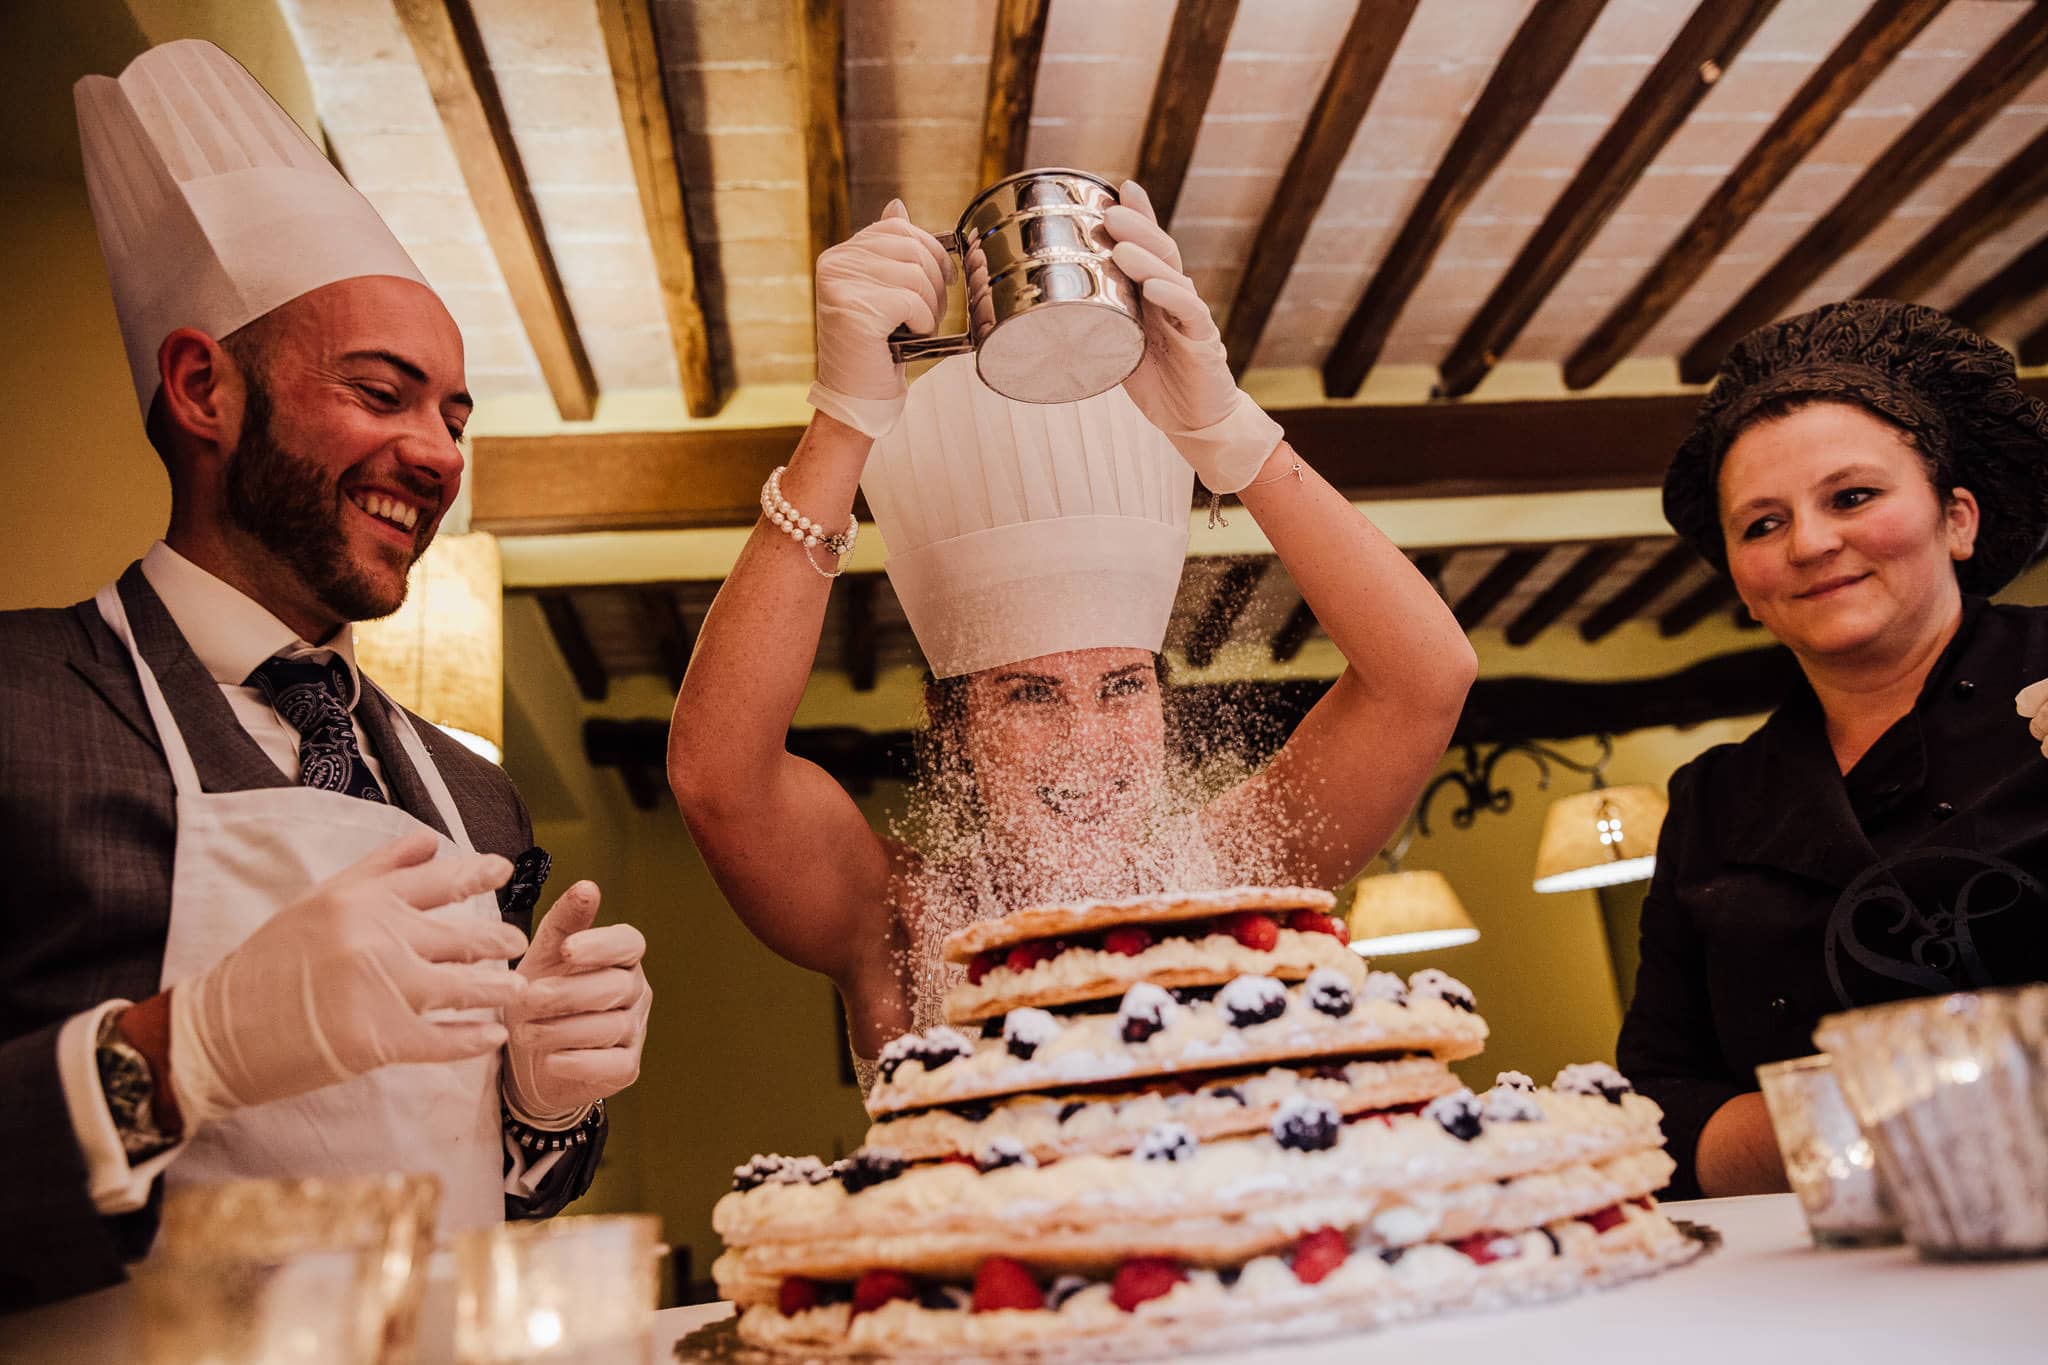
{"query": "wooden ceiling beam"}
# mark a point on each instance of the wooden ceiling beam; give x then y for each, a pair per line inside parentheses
(1527, 71)
(565, 623)
(1717, 31)
(1696, 606)
(1838, 82)
(1593, 564)
(1187, 75)
(451, 55)
(1012, 84)
(673, 480)
(2017, 281)
(635, 54)
(2034, 346)
(821, 43)
(1219, 617)
(1992, 207)
(668, 630)
(1294, 632)
(1496, 584)
(1355, 76)
(2005, 68)
(1668, 569)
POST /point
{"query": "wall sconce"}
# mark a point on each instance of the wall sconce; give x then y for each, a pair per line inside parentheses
(1407, 912)
(1598, 838)
(442, 654)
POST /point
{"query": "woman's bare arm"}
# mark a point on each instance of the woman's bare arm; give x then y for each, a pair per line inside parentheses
(1346, 778)
(790, 850)
(1738, 1151)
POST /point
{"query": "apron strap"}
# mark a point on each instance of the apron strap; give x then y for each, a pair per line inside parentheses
(423, 762)
(184, 775)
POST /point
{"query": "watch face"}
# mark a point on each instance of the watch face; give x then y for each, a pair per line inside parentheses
(126, 1081)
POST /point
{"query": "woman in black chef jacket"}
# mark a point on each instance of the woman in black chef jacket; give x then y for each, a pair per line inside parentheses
(1866, 473)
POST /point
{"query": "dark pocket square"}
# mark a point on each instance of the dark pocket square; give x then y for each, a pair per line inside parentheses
(517, 897)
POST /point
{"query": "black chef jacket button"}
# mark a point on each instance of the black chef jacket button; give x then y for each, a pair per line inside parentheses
(1963, 689)
(1943, 810)
(1781, 1006)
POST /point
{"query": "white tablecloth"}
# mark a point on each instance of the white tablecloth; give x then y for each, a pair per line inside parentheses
(1765, 1296)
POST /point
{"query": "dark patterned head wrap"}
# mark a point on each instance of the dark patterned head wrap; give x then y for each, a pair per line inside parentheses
(1952, 391)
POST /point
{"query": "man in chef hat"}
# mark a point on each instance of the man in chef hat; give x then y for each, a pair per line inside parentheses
(1036, 551)
(259, 917)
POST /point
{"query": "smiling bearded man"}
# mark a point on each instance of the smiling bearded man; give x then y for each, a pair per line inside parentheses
(259, 917)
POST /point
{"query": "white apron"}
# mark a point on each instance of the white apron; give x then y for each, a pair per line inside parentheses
(240, 858)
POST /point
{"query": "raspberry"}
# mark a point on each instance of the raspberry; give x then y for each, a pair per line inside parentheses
(1142, 1279)
(797, 1295)
(877, 1287)
(1127, 940)
(981, 966)
(1478, 1248)
(1025, 956)
(1255, 931)
(1606, 1218)
(1318, 1253)
(1003, 1283)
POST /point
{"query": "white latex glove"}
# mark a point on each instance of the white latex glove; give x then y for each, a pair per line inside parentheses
(340, 982)
(2032, 702)
(576, 1036)
(890, 274)
(1184, 385)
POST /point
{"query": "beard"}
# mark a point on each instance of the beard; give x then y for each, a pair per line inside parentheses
(293, 510)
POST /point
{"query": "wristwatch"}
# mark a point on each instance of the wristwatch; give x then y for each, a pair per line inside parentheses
(130, 1088)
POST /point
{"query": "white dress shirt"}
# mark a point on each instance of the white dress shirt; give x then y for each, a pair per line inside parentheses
(231, 635)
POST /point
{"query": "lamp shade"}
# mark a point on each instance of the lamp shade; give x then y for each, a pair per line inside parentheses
(1408, 912)
(1600, 838)
(442, 654)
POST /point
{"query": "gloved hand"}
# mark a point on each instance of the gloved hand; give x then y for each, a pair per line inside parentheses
(2032, 702)
(1184, 385)
(576, 1036)
(891, 273)
(338, 983)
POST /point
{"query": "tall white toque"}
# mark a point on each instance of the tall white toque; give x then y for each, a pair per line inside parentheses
(213, 207)
(1016, 530)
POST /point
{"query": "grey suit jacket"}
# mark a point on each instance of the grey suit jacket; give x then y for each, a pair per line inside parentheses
(87, 832)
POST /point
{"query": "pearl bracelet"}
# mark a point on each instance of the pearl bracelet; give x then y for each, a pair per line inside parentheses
(782, 514)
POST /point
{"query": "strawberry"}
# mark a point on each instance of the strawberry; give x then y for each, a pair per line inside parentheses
(1313, 922)
(1255, 931)
(1339, 929)
(796, 1295)
(877, 1287)
(1143, 1278)
(981, 966)
(1606, 1218)
(1127, 940)
(1025, 956)
(1318, 1253)
(1004, 1283)
(1478, 1248)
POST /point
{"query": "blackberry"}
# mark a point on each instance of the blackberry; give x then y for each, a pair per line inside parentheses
(1230, 1092)
(1306, 1125)
(1457, 1114)
(992, 1027)
(1027, 1030)
(1433, 984)
(1393, 1255)
(1593, 1078)
(868, 1167)
(1329, 993)
(1228, 1276)
(1253, 1000)
(932, 1049)
(1064, 1288)
(944, 1298)
(778, 1170)
(1144, 1012)
(1071, 1108)
(1001, 1152)
(1167, 1142)
(1386, 986)
(974, 1111)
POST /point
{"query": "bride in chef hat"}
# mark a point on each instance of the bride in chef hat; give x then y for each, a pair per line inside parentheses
(1036, 551)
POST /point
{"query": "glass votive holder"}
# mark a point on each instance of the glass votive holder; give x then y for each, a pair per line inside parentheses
(567, 1291)
(308, 1307)
(1829, 1162)
(265, 1249)
(1953, 1092)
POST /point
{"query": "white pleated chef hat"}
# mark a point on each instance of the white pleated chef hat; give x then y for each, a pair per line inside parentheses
(1016, 530)
(212, 206)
